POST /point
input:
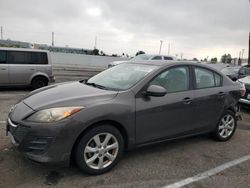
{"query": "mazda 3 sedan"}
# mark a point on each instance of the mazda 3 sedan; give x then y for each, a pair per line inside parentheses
(92, 122)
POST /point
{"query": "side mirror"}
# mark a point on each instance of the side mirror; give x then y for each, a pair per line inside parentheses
(156, 91)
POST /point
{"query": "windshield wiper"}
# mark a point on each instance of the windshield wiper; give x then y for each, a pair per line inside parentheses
(96, 85)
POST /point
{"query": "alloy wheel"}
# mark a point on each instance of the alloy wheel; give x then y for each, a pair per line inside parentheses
(101, 150)
(226, 126)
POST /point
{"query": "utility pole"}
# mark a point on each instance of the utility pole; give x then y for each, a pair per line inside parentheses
(168, 48)
(181, 55)
(249, 50)
(1, 32)
(52, 38)
(95, 42)
(161, 41)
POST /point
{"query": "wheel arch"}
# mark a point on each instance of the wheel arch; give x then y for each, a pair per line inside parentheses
(39, 74)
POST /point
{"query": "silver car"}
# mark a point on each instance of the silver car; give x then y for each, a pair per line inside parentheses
(23, 67)
(144, 57)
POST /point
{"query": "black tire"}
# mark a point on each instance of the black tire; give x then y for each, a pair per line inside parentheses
(217, 133)
(39, 82)
(87, 139)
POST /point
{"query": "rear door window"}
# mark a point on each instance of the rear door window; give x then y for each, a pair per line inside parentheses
(17, 57)
(2, 57)
(204, 78)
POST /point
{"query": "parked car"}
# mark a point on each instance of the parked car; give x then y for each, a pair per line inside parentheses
(234, 73)
(143, 57)
(23, 67)
(128, 106)
(245, 99)
(231, 72)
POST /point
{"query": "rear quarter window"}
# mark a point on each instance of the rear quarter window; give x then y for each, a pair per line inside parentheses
(218, 80)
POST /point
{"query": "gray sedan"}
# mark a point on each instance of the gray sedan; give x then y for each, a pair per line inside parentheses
(128, 106)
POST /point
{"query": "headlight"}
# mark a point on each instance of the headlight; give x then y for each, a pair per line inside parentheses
(53, 114)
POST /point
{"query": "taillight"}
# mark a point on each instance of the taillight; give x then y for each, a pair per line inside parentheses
(242, 90)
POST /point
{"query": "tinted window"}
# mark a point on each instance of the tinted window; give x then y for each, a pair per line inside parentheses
(2, 57)
(168, 58)
(242, 71)
(173, 80)
(204, 78)
(37, 58)
(247, 70)
(27, 58)
(156, 58)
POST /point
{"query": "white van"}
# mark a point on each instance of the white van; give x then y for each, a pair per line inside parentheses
(22, 67)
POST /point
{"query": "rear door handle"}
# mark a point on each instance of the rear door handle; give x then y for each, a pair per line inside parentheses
(187, 100)
(3, 69)
(221, 94)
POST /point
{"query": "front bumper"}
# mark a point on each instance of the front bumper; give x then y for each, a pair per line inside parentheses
(44, 143)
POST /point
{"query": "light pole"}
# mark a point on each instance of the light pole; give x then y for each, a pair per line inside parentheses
(161, 41)
(249, 50)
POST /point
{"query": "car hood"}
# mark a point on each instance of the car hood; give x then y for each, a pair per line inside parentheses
(67, 94)
(245, 80)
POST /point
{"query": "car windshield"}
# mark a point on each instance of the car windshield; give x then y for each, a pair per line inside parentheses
(230, 70)
(121, 77)
(141, 57)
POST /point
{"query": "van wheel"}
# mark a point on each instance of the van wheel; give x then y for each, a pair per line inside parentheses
(39, 82)
(99, 150)
(226, 126)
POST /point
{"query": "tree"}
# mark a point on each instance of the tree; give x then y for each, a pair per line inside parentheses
(195, 59)
(214, 60)
(226, 58)
(95, 52)
(139, 52)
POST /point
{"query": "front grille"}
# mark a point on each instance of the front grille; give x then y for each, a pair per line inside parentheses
(20, 133)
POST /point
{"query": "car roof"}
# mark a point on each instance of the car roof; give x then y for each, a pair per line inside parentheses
(23, 49)
(165, 63)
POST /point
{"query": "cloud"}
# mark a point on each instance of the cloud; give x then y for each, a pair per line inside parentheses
(194, 27)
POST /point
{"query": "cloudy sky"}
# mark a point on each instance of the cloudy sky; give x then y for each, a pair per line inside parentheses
(196, 28)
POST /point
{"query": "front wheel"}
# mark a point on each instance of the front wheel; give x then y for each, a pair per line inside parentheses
(99, 150)
(226, 127)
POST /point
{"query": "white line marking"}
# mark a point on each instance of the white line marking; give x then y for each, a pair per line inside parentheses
(208, 173)
(2, 122)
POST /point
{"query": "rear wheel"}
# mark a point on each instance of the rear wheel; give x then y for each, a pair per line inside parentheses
(99, 150)
(226, 126)
(39, 82)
